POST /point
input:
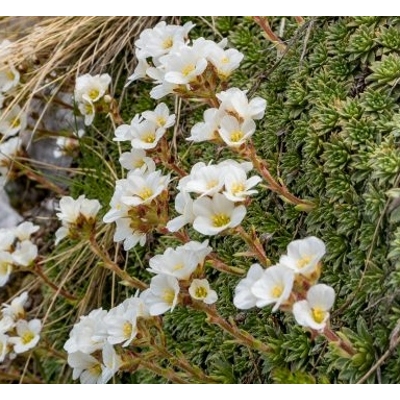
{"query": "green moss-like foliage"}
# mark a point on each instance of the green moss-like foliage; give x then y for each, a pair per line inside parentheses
(331, 132)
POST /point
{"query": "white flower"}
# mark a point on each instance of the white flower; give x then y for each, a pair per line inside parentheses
(244, 296)
(225, 61)
(85, 367)
(142, 189)
(237, 186)
(118, 209)
(7, 238)
(314, 312)
(184, 206)
(28, 335)
(90, 88)
(24, 230)
(216, 214)
(4, 346)
(274, 286)
(6, 324)
(203, 179)
(160, 116)
(126, 132)
(6, 267)
(200, 250)
(88, 110)
(140, 71)
(8, 150)
(233, 133)
(304, 255)
(207, 130)
(89, 334)
(12, 121)
(73, 211)
(136, 159)
(25, 253)
(179, 263)
(16, 310)
(9, 77)
(111, 363)
(200, 290)
(235, 101)
(146, 135)
(183, 65)
(121, 325)
(70, 209)
(128, 235)
(161, 39)
(162, 294)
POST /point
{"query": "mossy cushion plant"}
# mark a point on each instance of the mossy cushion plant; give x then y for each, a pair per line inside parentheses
(329, 137)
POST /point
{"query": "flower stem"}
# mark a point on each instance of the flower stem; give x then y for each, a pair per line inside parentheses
(334, 338)
(240, 336)
(112, 266)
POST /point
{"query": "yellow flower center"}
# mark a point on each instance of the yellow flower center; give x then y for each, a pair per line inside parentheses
(318, 314)
(188, 69)
(160, 121)
(303, 261)
(88, 109)
(237, 188)
(177, 267)
(277, 291)
(15, 123)
(167, 43)
(94, 94)
(212, 183)
(236, 136)
(145, 193)
(201, 292)
(95, 370)
(149, 137)
(27, 337)
(225, 60)
(127, 330)
(138, 163)
(220, 220)
(10, 75)
(168, 296)
(3, 268)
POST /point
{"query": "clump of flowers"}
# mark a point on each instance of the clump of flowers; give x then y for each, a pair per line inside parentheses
(17, 334)
(91, 95)
(16, 249)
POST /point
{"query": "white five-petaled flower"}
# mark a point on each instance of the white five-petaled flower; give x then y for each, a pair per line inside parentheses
(235, 101)
(225, 61)
(216, 214)
(274, 286)
(179, 263)
(136, 159)
(15, 310)
(314, 311)
(12, 121)
(28, 335)
(233, 133)
(237, 186)
(200, 290)
(160, 116)
(24, 230)
(162, 294)
(244, 296)
(304, 255)
(143, 188)
(25, 253)
(91, 89)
